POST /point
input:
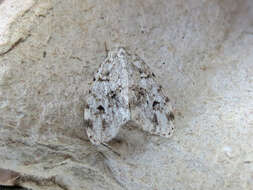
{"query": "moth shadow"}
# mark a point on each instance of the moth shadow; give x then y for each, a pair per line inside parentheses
(130, 141)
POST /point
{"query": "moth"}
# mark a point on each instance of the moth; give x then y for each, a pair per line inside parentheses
(125, 91)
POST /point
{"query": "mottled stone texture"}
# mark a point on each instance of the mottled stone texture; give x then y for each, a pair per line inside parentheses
(200, 52)
(125, 91)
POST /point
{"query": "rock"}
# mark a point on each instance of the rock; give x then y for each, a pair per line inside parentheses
(8, 177)
(201, 53)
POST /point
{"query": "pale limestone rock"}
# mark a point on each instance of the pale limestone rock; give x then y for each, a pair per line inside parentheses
(10, 11)
(201, 53)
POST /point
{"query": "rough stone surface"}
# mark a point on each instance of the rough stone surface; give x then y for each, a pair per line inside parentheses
(17, 18)
(200, 51)
(125, 92)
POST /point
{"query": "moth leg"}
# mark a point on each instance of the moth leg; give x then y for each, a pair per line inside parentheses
(111, 149)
